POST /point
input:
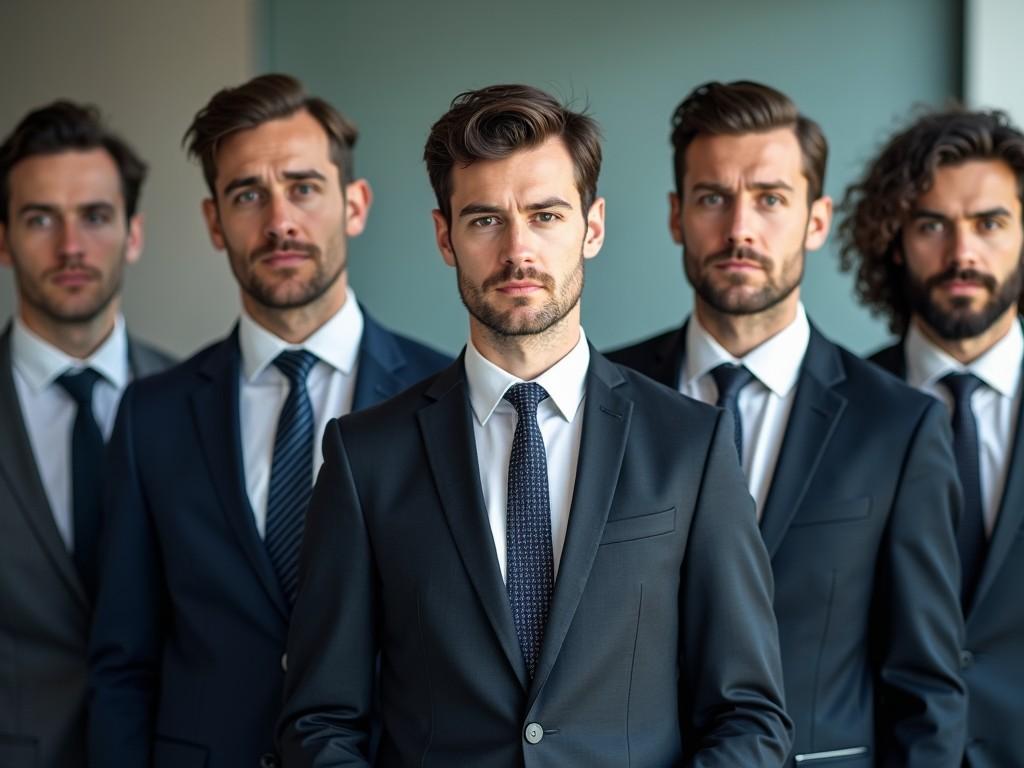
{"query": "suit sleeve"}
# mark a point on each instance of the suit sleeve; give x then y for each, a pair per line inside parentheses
(922, 700)
(731, 686)
(332, 644)
(125, 646)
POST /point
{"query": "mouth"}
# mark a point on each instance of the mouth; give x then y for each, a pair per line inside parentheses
(738, 265)
(284, 258)
(71, 278)
(519, 288)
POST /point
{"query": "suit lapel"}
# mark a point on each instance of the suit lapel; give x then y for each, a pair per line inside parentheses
(668, 358)
(816, 411)
(451, 451)
(606, 417)
(216, 411)
(380, 359)
(18, 465)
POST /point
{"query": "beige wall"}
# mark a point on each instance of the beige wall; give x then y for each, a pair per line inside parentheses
(993, 57)
(149, 66)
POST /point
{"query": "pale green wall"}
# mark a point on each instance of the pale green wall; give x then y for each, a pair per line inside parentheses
(855, 66)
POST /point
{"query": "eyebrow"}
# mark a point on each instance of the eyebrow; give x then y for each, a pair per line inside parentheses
(475, 209)
(53, 209)
(248, 181)
(721, 189)
(988, 213)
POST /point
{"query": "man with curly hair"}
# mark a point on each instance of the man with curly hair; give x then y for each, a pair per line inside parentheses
(933, 231)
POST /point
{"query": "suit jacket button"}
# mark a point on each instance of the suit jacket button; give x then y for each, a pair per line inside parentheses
(534, 733)
(269, 760)
(284, 662)
(966, 659)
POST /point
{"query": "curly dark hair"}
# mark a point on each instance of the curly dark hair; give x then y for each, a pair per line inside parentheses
(876, 206)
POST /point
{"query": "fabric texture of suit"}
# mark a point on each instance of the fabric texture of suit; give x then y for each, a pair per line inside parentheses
(992, 661)
(44, 608)
(859, 523)
(191, 621)
(660, 647)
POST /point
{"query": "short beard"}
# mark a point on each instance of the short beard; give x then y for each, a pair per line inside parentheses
(56, 312)
(267, 295)
(960, 322)
(735, 302)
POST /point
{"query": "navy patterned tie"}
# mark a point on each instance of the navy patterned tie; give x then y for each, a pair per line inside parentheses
(730, 379)
(530, 566)
(971, 541)
(86, 474)
(291, 472)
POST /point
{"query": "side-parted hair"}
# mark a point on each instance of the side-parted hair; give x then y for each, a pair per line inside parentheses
(493, 122)
(65, 126)
(732, 109)
(260, 100)
(876, 207)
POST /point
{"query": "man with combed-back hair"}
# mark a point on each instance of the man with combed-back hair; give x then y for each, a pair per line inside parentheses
(934, 233)
(549, 577)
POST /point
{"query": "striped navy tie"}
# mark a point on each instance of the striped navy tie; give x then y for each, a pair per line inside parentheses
(291, 472)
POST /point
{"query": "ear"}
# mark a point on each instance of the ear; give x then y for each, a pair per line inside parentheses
(358, 199)
(212, 218)
(5, 252)
(675, 217)
(442, 235)
(136, 239)
(594, 238)
(818, 223)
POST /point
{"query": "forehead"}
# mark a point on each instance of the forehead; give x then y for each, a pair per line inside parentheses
(972, 185)
(540, 171)
(288, 143)
(769, 156)
(66, 178)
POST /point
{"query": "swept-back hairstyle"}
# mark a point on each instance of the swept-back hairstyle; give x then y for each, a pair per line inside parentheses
(493, 122)
(265, 98)
(876, 207)
(732, 109)
(65, 126)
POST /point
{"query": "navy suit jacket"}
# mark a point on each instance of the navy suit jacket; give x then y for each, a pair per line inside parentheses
(992, 661)
(859, 522)
(189, 635)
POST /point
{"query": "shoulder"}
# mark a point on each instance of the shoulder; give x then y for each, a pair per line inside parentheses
(642, 354)
(413, 355)
(147, 359)
(178, 378)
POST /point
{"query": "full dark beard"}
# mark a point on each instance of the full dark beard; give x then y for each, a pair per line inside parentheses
(960, 322)
(730, 302)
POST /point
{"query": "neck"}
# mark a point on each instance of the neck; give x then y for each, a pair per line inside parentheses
(297, 324)
(528, 356)
(78, 339)
(968, 350)
(740, 334)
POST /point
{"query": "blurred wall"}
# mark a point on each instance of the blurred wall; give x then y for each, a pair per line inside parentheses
(993, 56)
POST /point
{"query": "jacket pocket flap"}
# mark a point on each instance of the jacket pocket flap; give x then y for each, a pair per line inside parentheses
(639, 527)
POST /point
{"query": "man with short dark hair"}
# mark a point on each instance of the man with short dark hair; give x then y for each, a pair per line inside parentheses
(214, 461)
(934, 232)
(852, 472)
(69, 224)
(548, 576)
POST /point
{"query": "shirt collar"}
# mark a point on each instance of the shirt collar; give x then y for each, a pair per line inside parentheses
(999, 367)
(775, 362)
(336, 342)
(41, 363)
(565, 381)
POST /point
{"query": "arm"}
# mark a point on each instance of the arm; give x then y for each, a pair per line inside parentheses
(332, 641)
(922, 705)
(127, 633)
(731, 685)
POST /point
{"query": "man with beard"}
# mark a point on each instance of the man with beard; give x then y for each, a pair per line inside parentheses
(69, 222)
(934, 232)
(215, 460)
(549, 578)
(852, 471)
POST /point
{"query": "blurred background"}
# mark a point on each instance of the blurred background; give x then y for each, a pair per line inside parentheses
(859, 67)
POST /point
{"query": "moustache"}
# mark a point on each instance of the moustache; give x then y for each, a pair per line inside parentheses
(73, 267)
(966, 275)
(285, 245)
(739, 253)
(510, 273)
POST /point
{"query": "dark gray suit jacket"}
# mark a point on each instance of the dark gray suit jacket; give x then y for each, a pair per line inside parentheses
(992, 661)
(44, 609)
(859, 524)
(660, 648)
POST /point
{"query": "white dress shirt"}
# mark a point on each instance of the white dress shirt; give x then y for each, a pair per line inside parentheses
(995, 405)
(49, 411)
(263, 390)
(560, 418)
(764, 404)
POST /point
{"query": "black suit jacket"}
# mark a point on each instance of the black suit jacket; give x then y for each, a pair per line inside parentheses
(44, 608)
(191, 621)
(660, 647)
(992, 661)
(859, 523)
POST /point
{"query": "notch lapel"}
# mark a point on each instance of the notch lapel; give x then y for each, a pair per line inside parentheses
(451, 451)
(606, 417)
(216, 411)
(380, 358)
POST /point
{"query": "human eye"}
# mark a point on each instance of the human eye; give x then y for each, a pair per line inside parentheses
(547, 217)
(483, 222)
(246, 197)
(305, 189)
(710, 199)
(990, 224)
(772, 200)
(98, 217)
(930, 227)
(39, 221)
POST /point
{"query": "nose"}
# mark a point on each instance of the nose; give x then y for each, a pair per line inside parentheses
(964, 247)
(71, 246)
(280, 223)
(741, 223)
(519, 243)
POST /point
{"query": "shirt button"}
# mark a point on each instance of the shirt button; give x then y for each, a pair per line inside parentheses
(966, 659)
(534, 733)
(284, 662)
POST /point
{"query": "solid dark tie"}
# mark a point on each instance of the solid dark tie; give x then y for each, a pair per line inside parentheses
(530, 566)
(971, 540)
(86, 474)
(291, 472)
(730, 379)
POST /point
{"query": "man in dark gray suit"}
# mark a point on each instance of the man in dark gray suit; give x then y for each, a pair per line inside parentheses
(934, 232)
(69, 192)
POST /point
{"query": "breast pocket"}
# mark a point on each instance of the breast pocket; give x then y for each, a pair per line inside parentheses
(639, 527)
(818, 513)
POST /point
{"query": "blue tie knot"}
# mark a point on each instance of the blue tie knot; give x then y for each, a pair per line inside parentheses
(296, 364)
(730, 379)
(961, 386)
(80, 385)
(526, 397)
